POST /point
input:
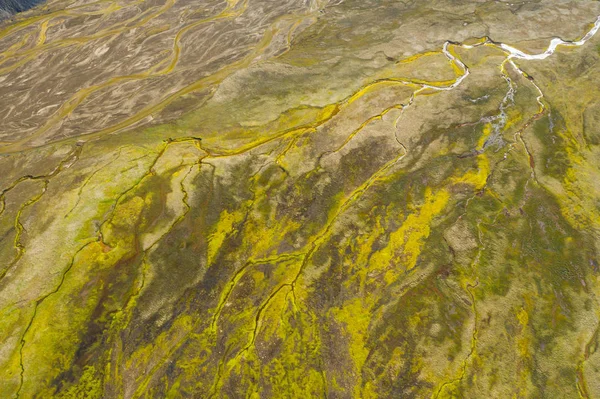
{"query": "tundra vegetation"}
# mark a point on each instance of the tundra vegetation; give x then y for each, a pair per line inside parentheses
(300, 198)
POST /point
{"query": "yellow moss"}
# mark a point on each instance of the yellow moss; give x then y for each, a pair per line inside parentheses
(369, 391)
(417, 56)
(302, 116)
(487, 130)
(370, 88)
(222, 230)
(578, 192)
(356, 316)
(523, 343)
(393, 366)
(51, 345)
(327, 112)
(258, 277)
(523, 340)
(128, 212)
(174, 391)
(523, 317)
(458, 70)
(478, 178)
(513, 117)
(270, 324)
(405, 244)
(156, 352)
(89, 386)
(263, 237)
(364, 249)
(161, 344)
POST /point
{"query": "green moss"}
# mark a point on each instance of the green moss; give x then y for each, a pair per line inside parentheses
(89, 386)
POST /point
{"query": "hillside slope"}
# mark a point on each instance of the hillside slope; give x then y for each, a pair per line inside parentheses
(256, 198)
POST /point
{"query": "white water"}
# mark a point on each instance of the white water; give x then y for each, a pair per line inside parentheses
(513, 53)
(456, 61)
(554, 43)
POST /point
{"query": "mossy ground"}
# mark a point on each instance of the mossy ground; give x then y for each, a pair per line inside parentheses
(359, 237)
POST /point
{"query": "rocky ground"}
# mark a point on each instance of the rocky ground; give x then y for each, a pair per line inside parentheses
(300, 198)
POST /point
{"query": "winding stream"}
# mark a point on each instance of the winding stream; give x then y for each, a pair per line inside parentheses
(554, 43)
